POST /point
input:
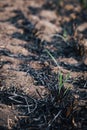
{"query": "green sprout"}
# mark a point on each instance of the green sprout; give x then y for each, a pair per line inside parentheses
(65, 34)
(61, 80)
(52, 57)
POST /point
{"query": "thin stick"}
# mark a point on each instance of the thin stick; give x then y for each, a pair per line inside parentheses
(54, 119)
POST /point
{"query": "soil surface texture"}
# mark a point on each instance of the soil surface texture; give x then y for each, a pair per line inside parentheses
(31, 32)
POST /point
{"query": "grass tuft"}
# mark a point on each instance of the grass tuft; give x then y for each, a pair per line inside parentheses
(61, 79)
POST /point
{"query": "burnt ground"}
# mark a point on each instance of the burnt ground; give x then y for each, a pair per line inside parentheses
(29, 96)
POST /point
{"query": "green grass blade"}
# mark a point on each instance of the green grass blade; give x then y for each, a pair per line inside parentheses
(60, 80)
(52, 57)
